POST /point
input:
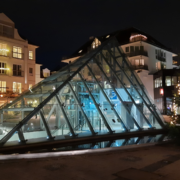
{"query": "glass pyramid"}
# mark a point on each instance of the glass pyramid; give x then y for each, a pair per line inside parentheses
(99, 93)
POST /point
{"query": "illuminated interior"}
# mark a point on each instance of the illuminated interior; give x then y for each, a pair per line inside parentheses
(97, 94)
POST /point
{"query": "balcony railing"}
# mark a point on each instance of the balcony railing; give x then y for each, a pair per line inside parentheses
(4, 72)
(140, 67)
(18, 73)
(17, 55)
(137, 53)
(6, 91)
(160, 58)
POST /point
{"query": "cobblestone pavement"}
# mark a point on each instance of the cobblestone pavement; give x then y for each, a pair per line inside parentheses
(150, 163)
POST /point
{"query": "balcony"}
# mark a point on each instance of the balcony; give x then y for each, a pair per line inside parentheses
(4, 72)
(140, 67)
(17, 55)
(160, 58)
(10, 92)
(137, 53)
(18, 73)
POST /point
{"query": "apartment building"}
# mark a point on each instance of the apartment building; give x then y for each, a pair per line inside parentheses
(145, 53)
(18, 68)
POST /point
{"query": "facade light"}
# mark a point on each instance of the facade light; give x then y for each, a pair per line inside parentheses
(161, 91)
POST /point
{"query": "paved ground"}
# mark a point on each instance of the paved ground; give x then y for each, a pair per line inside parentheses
(150, 163)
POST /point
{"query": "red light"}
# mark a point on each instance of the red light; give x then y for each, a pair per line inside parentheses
(161, 91)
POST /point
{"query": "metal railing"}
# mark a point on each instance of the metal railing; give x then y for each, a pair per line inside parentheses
(160, 58)
(137, 53)
(140, 67)
(18, 73)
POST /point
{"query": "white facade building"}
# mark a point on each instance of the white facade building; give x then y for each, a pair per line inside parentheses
(146, 54)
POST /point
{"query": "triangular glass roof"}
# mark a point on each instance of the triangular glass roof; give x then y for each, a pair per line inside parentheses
(97, 94)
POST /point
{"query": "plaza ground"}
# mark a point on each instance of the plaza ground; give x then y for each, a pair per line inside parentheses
(152, 162)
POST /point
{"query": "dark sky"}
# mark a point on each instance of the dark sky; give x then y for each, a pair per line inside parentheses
(60, 27)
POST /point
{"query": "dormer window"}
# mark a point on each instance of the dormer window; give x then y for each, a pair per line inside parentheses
(95, 43)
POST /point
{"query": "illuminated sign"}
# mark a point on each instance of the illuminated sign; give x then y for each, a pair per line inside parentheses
(113, 96)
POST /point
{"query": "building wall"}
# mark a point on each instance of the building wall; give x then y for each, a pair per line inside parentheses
(22, 75)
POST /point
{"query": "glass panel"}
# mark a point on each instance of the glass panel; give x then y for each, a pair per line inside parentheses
(168, 80)
(174, 80)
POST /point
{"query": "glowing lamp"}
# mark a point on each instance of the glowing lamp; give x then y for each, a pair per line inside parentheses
(161, 91)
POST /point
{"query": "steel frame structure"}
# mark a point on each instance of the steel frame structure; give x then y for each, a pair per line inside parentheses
(81, 102)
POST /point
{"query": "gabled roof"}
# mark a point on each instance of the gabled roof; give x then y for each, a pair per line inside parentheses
(123, 38)
(4, 18)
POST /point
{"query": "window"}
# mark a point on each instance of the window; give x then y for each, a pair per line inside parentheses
(6, 31)
(30, 54)
(3, 49)
(178, 79)
(17, 87)
(142, 62)
(158, 82)
(131, 48)
(137, 62)
(3, 69)
(174, 80)
(136, 48)
(17, 70)
(160, 55)
(141, 48)
(17, 52)
(168, 80)
(127, 49)
(3, 86)
(31, 71)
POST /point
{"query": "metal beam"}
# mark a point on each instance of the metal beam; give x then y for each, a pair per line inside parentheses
(87, 58)
(160, 121)
(51, 111)
(118, 95)
(82, 110)
(65, 116)
(97, 105)
(21, 136)
(157, 117)
(127, 91)
(112, 106)
(46, 125)
(19, 109)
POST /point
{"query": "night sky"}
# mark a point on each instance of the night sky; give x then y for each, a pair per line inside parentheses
(60, 27)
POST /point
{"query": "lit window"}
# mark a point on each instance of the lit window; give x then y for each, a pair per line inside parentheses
(17, 87)
(142, 62)
(31, 71)
(2, 86)
(45, 74)
(17, 52)
(30, 54)
(3, 49)
(95, 43)
(174, 80)
(168, 80)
